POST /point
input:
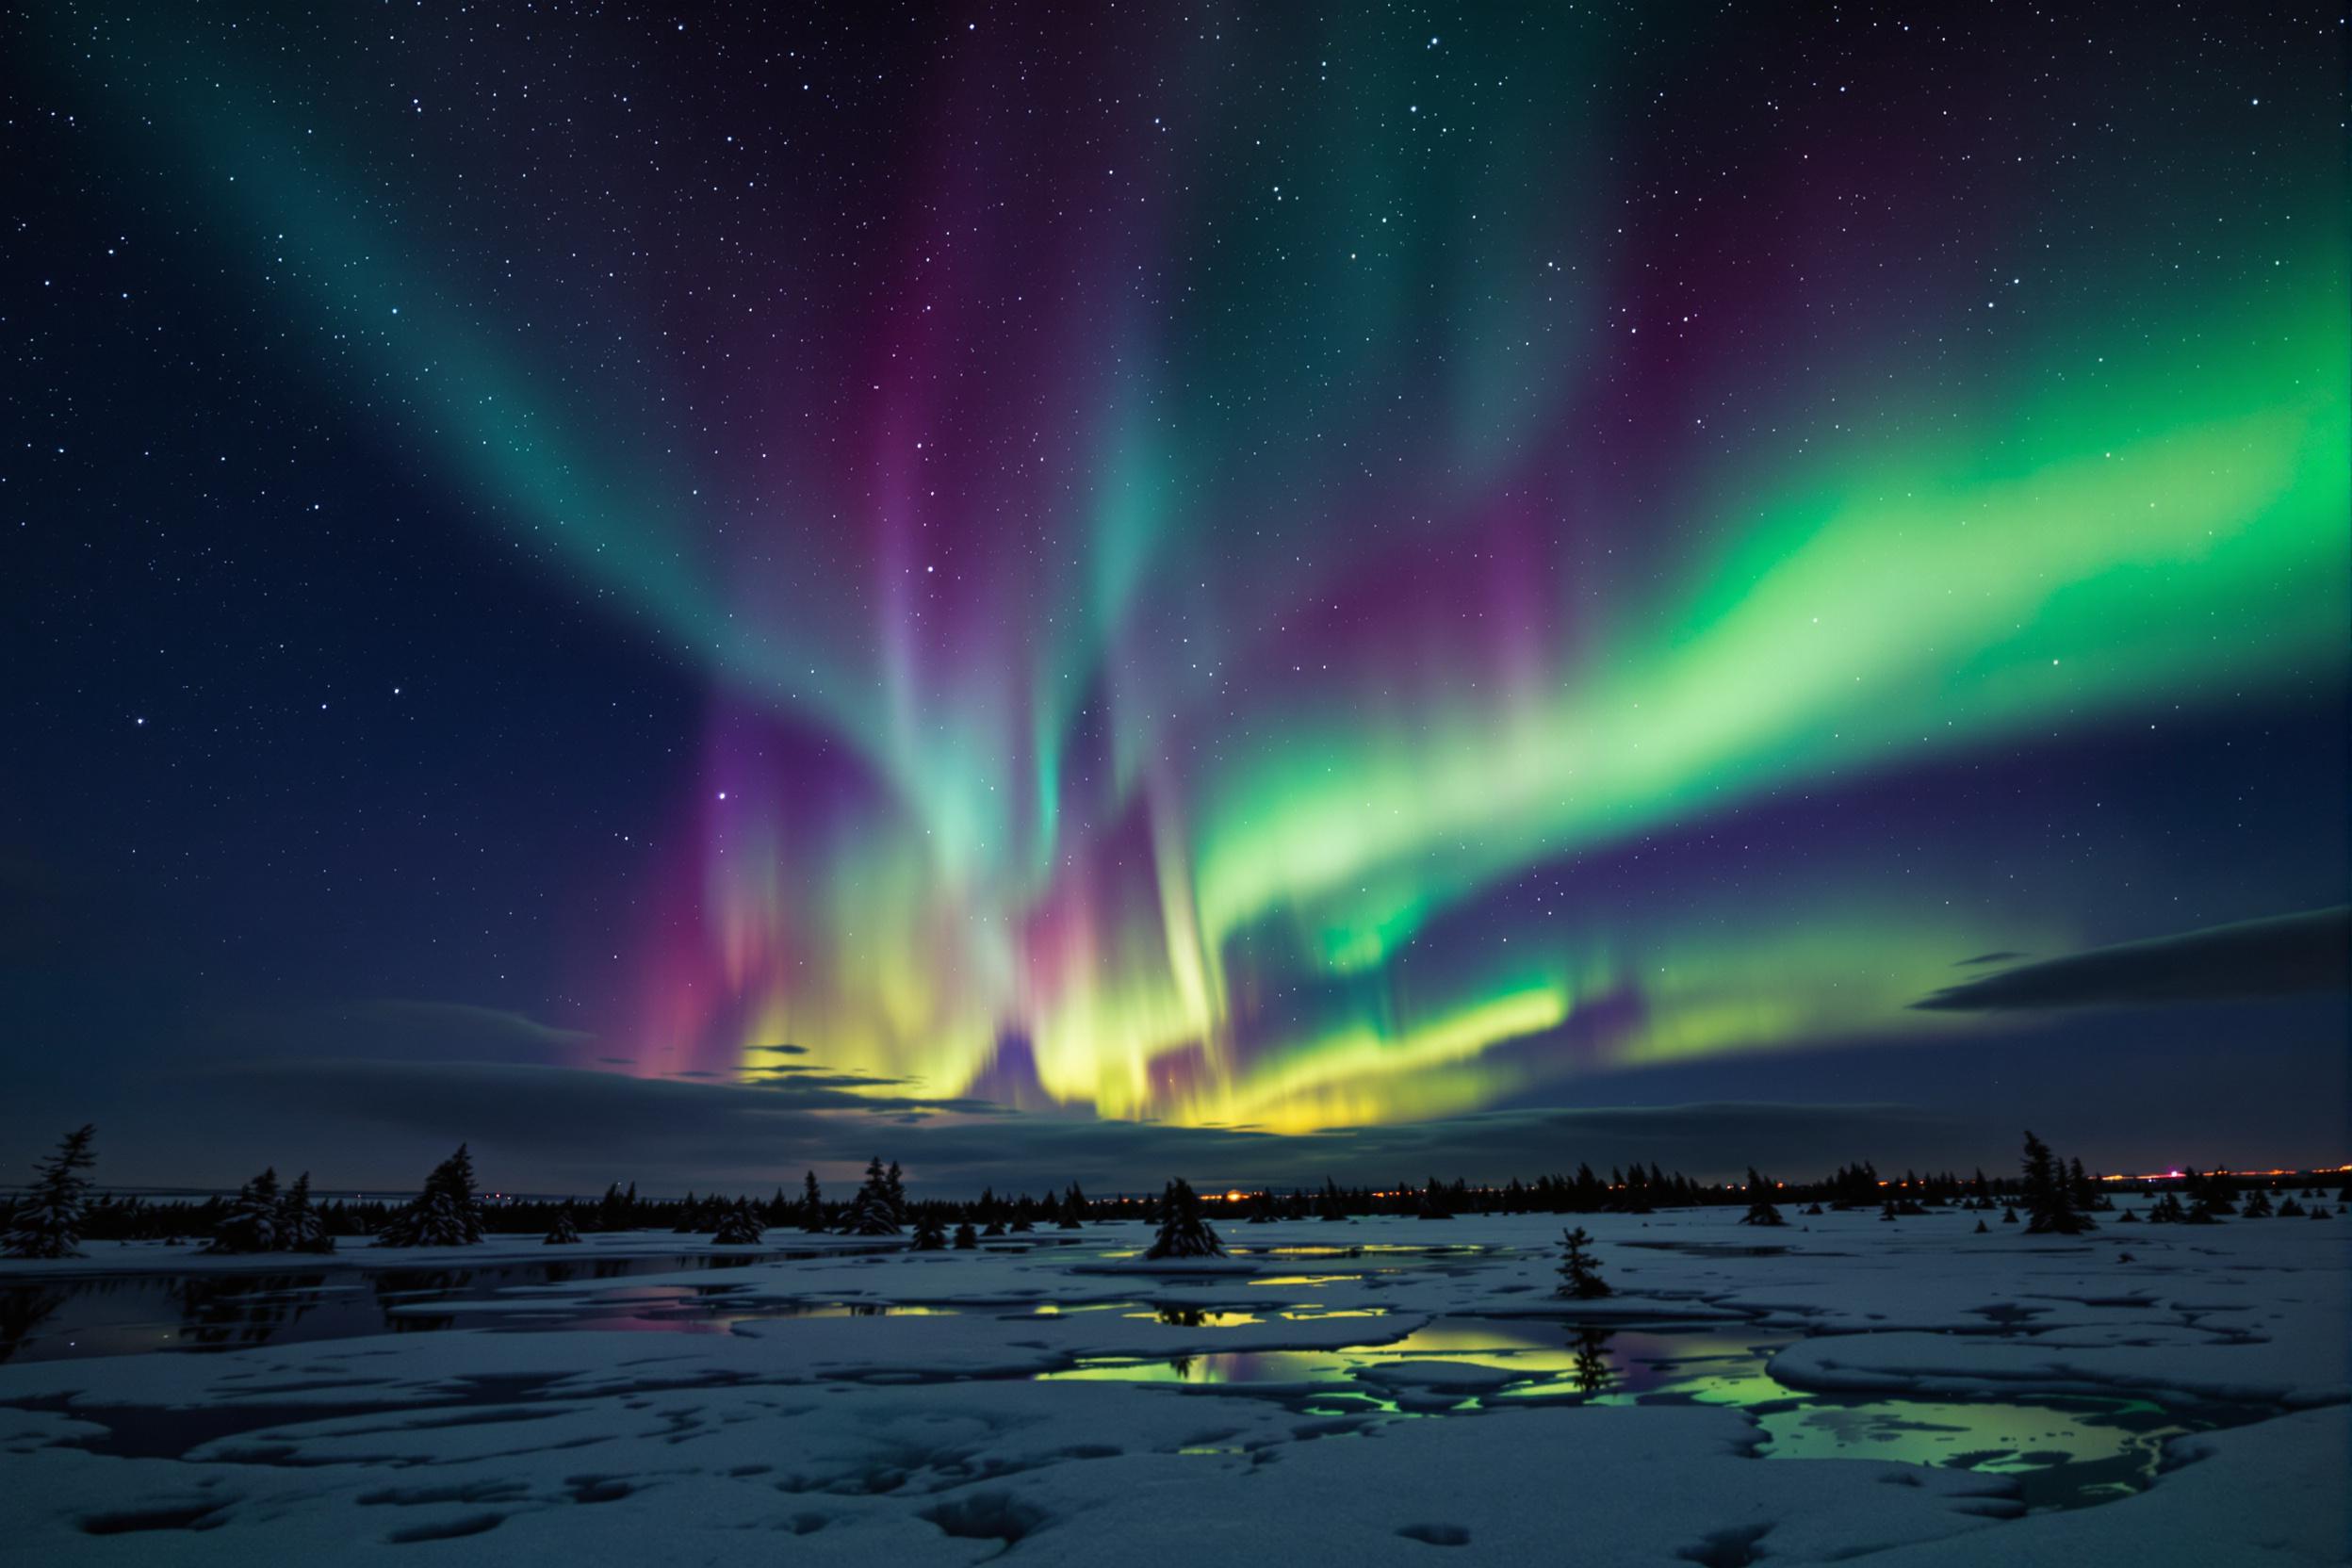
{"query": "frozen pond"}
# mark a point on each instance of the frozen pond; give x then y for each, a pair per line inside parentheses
(2066, 1451)
(1405, 1385)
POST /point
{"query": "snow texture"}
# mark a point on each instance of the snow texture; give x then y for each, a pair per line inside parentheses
(924, 1438)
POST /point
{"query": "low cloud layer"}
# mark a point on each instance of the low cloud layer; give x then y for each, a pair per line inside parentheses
(2287, 955)
(545, 1128)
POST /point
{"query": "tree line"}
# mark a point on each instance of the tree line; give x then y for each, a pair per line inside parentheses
(59, 1209)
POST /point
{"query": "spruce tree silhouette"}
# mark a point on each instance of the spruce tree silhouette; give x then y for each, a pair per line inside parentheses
(1183, 1231)
(872, 1212)
(811, 1205)
(301, 1228)
(1761, 1210)
(252, 1223)
(1580, 1278)
(564, 1232)
(48, 1220)
(2048, 1194)
(445, 1213)
(738, 1226)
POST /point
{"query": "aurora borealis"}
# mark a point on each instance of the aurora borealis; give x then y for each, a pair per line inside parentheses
(1248, 567)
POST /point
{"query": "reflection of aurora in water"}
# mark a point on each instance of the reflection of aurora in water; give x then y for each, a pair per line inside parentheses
(1221, 629)
(2067, 1450)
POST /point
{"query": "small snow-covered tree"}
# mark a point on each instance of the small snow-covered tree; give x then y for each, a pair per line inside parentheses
(872, 1212)
(2049, 1207)
(738, 1226)
(1183, 1231)
(811, 1205)
(1331, 1208)
(252, 1223)
(448, 1213)
(966, 1239)
(895, 1189)
(1579, 1274)
(48, 1220)
(1435, 1201)
(2083, 1189)
(301, 1227)
(565, 1232)
(930, 1235)
(1761, 1210)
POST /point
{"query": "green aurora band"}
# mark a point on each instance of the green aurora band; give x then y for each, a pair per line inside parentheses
(1396, 539)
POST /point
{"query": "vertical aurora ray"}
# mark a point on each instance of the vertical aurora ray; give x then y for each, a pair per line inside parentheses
(1205, 611)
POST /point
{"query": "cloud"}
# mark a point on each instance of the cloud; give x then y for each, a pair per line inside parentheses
(2285, 956)
(560, 1129)
(400, 1027)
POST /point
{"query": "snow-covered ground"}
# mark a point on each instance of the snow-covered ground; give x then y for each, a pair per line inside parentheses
(1057, 1404)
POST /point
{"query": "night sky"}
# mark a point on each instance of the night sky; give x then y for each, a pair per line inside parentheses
(1108, 592)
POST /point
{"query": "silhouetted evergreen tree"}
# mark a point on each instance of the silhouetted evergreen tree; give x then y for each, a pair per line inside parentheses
(738, 1226)
(1183, 1232)
(252, 1223)
(1579, 1272)
(2048, 1194)
(2081, 1189)
(811, 1203)
(445, 1213)
(1761, 1210)
(872, 1212)
(1330, 1206)
(301, 1227)
(1435, 1202)
(930, 1236)
(562, 1232)
(46, 1222)
(2205, 1206)
(966, 1239)
(2256, 1206)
